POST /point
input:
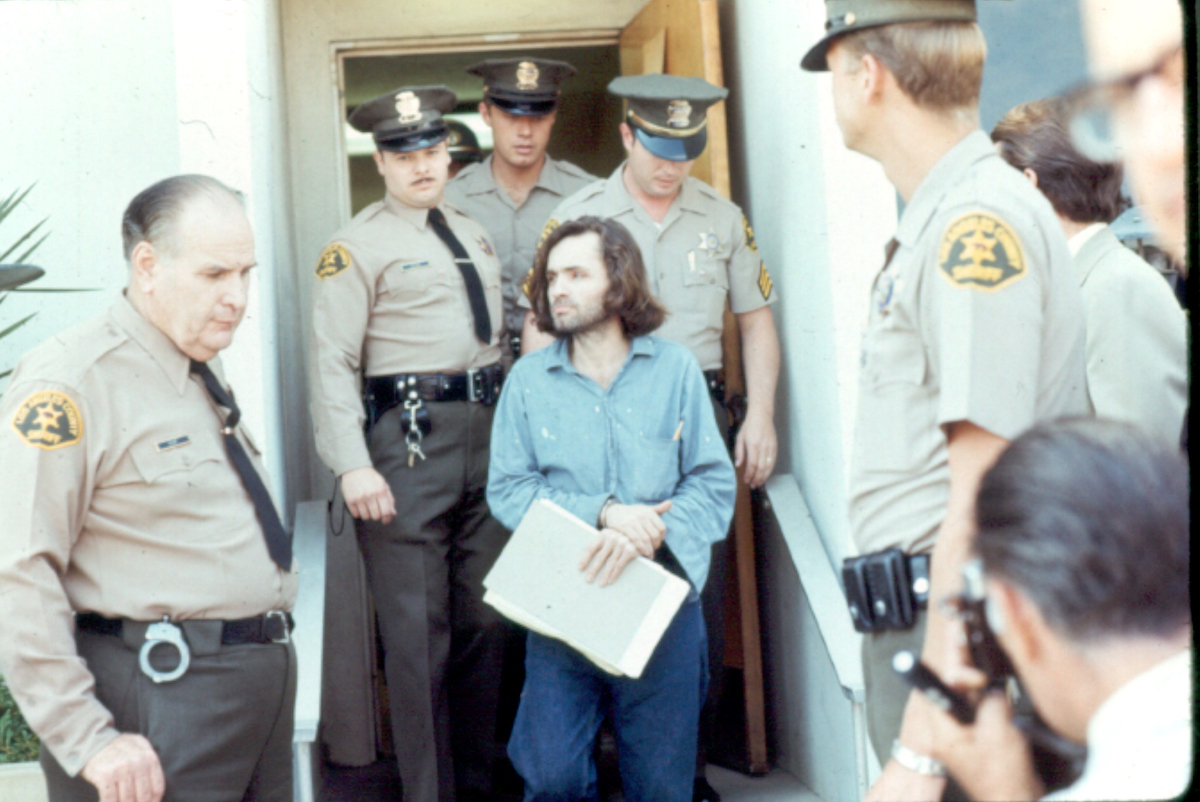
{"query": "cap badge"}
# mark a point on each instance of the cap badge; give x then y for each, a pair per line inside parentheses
(527, 76)
(408, 106)
(453, 138)
(679, 114)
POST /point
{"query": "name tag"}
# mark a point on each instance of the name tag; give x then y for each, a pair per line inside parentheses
(411, 265)
(178, 442)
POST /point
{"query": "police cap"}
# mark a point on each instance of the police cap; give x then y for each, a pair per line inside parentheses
(525, 86)
(846, 16)
(461, 143)
(667, 112)
(409, 118)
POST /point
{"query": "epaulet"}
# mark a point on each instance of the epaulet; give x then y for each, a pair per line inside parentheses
(67, 357)
(575, 170)
(708, 191)
(586, 193)
(364, 215)
(455, 209)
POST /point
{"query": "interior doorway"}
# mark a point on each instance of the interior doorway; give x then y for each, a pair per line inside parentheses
(584, 133)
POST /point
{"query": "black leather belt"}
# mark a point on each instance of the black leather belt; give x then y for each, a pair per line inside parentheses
(273, 627)
(481, 385)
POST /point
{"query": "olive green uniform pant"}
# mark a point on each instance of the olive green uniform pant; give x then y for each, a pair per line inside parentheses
(223, 731)
(443, 648)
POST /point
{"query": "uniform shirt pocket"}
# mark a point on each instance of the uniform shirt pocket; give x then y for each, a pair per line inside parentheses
(156, 462)
(896, 404)
(415, 278)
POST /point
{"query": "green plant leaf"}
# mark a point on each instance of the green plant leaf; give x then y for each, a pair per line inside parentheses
(16, 325)
(27, 235)
(9, 204)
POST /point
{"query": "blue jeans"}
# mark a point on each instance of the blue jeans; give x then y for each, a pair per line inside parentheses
(655, 717)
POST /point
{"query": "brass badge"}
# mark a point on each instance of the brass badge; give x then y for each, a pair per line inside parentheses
(710, 243)
(527, 76)
(453, 138)
(980, 251)
(484, 245)
(408, 106)
(334, 259)
(48, 420)
(750, 243)
(764, 281)
(679, 114)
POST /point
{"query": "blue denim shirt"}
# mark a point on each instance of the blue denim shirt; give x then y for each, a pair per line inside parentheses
(649, 437)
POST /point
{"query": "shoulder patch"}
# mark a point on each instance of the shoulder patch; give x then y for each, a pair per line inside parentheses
(48, 420)
(980, 251)
(750, 243)
(334, 259)
(551, 224)
(764, 281)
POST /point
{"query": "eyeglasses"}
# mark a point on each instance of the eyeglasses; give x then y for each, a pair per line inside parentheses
(1094, 108)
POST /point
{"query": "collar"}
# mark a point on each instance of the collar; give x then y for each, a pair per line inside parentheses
(558, 356)
(481, 181)
(412, 215)
(1122, 719)
(689, 199)
(1082, 238)
(173, 362)
(972, 148)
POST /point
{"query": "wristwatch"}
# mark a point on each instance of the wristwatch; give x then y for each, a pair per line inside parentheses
(914, 761)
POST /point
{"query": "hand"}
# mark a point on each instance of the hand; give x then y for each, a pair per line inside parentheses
(127, 770)
(368, 496)
(990, 758)
(607, 557)
(898, 784)
(756, 447)
(642, 524)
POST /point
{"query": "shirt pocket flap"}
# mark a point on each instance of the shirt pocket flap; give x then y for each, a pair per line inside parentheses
(414, 277)
(154, 461)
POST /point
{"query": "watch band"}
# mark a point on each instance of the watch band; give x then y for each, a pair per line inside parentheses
(914, 761)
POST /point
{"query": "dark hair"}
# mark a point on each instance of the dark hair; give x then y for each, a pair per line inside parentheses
(628, 296)
(1034, 136)
(1090, 519)
(152, 214)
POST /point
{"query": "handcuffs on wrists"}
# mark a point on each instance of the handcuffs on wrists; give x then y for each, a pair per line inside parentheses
(915, 761)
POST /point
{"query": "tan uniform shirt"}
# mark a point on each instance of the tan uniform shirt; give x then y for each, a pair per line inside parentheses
(1136, 338)
(116, 497)
(976, 317)
(703, 252)
(388, 298)
(514, 229)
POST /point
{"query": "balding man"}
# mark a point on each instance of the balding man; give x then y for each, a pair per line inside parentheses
(145, 578)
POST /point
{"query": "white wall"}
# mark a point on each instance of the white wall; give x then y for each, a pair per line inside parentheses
(821, 215)
(101, 98)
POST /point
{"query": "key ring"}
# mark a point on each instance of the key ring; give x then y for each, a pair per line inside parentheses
(164, 632)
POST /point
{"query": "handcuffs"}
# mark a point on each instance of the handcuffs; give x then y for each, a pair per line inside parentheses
(164, 632)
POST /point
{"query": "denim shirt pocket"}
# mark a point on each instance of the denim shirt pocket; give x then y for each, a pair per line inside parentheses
(654, 469)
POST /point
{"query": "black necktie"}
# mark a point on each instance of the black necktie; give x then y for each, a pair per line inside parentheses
(279, 545)
(479, 310)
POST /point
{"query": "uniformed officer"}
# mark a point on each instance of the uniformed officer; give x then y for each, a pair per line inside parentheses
(407, 294)
(699, 251)
(976, 332)
(145, 577)
(513, 190)
(462, 145)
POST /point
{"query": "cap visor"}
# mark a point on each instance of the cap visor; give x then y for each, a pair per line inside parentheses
(417, 141)
(524, 108)
(814, 59)
(671, 149)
